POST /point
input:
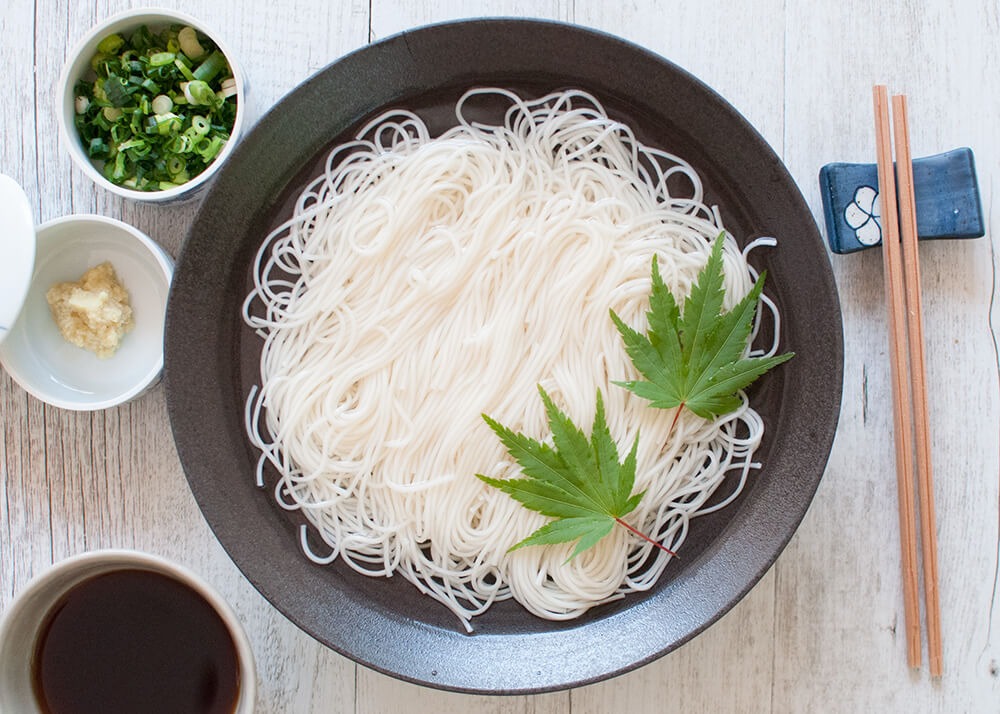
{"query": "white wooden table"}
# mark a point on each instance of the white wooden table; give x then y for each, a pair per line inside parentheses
(823, 629)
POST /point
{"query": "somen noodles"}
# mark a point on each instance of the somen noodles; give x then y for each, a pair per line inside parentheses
(424, 281)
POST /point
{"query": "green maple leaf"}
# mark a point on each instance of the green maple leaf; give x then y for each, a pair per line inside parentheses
(695, 359)
(580, 482)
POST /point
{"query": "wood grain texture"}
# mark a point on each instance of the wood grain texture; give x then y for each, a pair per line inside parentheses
(821, 632)
(24, 522)
(839, 601)
(74, 482)
(391, 16)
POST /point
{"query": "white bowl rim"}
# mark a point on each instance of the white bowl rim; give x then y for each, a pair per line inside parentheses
(83, 406)
(125, 558)
(72, 140)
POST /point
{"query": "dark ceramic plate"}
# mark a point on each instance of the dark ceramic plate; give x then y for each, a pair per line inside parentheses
(212, 358)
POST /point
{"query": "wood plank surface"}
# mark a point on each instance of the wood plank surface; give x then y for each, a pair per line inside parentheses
(823, 630)
(839, 603)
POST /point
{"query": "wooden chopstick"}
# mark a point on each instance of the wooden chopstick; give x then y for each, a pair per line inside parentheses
(918, 381)
(897, 356)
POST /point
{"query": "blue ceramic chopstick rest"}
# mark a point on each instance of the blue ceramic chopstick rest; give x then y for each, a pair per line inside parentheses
(945, 190)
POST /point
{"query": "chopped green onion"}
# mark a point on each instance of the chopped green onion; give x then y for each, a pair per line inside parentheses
(213, 148)
(96, 60)
(142, 39)
(110, 44)
(161, 58)
(199, 144)
(162, 104)
(119, 132)
(119, 172)
(185, 70)
(175, 164)
(115, 91)
(167, 34)
(199, 92)
(227, 90)
(135, 117)
(132, 144)
(207, 70)
(181, 143)
(190, 46)
(166, 123)
(201, 125)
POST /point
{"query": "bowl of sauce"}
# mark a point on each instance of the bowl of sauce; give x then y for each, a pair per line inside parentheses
(122, 631)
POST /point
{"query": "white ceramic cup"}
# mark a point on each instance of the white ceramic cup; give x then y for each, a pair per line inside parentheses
(78, 63)
(64, 375)
(22, 621)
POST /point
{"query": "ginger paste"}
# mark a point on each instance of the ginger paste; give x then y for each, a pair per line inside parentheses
(94, 312)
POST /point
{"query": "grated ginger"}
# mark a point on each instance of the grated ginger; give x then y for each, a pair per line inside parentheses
(94, 312)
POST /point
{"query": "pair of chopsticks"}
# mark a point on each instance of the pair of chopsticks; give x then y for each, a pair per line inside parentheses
(906, 341)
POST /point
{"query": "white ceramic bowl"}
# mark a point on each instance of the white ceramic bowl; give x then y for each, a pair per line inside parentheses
(57, 372)
(22, 620)
(78, 64)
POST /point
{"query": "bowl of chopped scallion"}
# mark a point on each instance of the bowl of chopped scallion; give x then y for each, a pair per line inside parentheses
(150, 105)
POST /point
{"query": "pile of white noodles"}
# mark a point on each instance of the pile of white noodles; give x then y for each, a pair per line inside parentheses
(422, 282)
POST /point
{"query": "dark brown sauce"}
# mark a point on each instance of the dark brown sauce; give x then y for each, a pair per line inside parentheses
(135, 641)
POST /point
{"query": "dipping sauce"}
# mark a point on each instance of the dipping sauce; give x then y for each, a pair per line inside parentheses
(135, 641)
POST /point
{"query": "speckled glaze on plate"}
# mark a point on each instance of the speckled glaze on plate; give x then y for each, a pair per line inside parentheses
(212, 358)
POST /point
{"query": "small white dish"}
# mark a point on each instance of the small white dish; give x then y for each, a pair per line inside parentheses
(64, 375)
(20, 625)
(78, 64)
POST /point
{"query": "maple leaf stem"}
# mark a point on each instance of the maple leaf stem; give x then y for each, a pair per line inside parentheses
(645, 537)
(677, 414)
